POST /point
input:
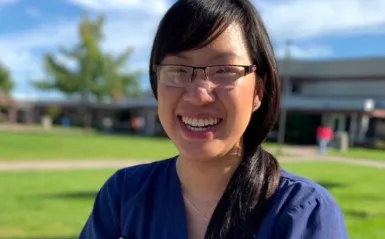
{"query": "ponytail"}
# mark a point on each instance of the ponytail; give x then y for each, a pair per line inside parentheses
(245, 201)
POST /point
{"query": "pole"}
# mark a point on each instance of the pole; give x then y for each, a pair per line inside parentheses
(283, 113)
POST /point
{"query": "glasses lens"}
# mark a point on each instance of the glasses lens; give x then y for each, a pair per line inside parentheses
(225, 76)
(177, 76)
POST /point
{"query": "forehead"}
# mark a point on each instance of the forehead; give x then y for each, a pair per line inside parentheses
(230, 45)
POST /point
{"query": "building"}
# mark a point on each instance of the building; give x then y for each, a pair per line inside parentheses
(73, 113)
(7, 109)
(348, 95)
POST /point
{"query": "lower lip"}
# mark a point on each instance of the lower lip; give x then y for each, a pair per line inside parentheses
(203, 134)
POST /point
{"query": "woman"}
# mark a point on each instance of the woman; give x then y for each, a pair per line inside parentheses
(214, 75)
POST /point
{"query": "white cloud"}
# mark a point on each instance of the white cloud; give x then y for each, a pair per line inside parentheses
(135, 27)
(129, 22)
(33, 12)
(34, 96)
(132, 23)
(153, 6)
(43, 36)
(303, 19)
(19, 50)
(131, 29)
(305, 52)
(7, 2)
(22, 63)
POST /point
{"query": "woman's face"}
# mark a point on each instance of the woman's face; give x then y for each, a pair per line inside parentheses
(202, 120)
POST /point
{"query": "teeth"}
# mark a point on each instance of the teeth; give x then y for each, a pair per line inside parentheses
(197, 129)
(194, 122)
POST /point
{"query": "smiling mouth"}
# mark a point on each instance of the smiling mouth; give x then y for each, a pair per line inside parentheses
(199, 124)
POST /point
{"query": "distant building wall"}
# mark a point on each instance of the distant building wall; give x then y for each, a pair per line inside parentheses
(364, 88)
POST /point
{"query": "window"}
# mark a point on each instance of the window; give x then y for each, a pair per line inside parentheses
(296, 88)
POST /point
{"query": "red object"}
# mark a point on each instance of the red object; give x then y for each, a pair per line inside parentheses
(135, 123)
(325, 132)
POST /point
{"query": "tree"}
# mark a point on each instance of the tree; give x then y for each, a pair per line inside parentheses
(6, 84)
(120, 84)
(96, 76)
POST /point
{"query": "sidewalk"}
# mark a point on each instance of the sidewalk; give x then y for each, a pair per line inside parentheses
(291, 154)
(311, 154)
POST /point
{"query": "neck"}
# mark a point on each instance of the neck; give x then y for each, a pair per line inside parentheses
(206, 180)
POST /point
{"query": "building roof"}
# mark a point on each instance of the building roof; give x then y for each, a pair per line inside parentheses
(367, 68)
(144, 102)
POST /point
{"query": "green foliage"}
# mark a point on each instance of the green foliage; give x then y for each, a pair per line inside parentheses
(6, 83)
(53, 111)
(95, 75)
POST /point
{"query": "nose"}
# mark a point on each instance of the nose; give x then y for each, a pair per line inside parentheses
(199, 92)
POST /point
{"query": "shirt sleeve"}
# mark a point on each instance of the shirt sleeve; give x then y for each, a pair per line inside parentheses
(316, 219)
(103, 222)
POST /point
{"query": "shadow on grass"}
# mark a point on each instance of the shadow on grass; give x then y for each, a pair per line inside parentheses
(372, 198)
(331, 185)
(92, 194)
(72, 195)
(362, 215)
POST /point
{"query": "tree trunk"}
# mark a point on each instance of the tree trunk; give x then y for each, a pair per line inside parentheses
(86, 112)
(87, 117)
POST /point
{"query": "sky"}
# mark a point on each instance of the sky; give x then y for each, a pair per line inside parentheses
(319, 29)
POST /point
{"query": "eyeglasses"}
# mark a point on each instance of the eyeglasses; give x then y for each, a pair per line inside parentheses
(219, 76)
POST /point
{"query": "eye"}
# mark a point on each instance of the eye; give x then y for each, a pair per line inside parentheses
(177, 70)
(226, 70)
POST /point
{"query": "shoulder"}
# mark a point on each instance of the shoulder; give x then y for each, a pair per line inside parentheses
(126, 182)
(297, 190)
(305, 209)
(135, 176)
(122, 186)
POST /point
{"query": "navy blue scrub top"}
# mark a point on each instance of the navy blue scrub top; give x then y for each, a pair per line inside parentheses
(145, 202)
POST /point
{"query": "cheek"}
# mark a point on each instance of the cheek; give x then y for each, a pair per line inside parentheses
(167, 102)
(164, 102)
(239, 106)
(243, 97)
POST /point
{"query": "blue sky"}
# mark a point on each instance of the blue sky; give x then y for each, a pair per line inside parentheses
(319, 28)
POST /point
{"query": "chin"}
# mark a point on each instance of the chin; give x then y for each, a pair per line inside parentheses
(201, 151)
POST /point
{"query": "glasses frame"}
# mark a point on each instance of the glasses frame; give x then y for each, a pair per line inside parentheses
(248, 69)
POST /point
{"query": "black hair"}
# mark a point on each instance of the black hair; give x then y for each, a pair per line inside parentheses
(192, 24)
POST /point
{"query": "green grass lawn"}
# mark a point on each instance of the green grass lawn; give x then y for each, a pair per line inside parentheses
(75, 144)
(56, 204)
(46, 204)
(376, 154)
(359, 191)
(44, 146)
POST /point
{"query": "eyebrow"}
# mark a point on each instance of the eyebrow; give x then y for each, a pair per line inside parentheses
(225, 55)
(216, 56)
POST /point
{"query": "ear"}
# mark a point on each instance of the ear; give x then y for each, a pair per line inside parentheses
(256, 103)
(258, 94)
